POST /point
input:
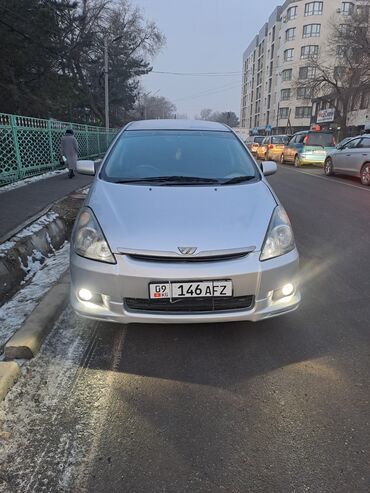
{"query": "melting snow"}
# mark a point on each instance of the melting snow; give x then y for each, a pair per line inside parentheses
(14, 312)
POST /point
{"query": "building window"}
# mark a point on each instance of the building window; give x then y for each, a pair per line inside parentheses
(311, 30)
(287, 74)
(313, 8)
(339, 72)
(288, 55)
(347, 8)
(285, 94)
(341, 50)
(291, 13)
(307, 72)
(304, 93)
(303, 112)
(309, 51)
(290, 34)
(283, 113)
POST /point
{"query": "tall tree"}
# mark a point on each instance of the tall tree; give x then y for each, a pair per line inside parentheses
(53, 56)
(341, 75)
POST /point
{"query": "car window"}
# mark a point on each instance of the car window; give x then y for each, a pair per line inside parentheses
(365, 143)
(292, 140)
(300, 138)
(321, 139)
(265, 141)
(142, 154)
(352, 144)
(258, 140)
(279, 139)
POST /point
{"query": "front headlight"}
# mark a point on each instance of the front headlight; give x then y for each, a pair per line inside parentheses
(279, 237)
(88, 239)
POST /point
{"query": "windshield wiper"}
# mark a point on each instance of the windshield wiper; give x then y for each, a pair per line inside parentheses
(237, 179)
(173, 179)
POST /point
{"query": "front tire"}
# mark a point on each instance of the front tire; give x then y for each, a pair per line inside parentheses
(365, 174)
(282, 160)
(297, 161)
(328, 167)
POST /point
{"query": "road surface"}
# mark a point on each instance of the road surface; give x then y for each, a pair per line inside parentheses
(278, 406)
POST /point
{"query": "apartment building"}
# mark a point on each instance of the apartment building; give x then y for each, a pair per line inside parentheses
(278, 56)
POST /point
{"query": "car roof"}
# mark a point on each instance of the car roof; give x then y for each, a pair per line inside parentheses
(177, 125)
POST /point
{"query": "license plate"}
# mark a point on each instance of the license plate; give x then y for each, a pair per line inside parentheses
(191, 289)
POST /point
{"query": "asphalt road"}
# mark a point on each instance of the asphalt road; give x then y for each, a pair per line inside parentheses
(279, 406)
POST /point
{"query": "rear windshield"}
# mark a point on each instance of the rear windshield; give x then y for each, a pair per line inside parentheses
(320, 139)
(159, 154)
(258, 140)
(279, 139)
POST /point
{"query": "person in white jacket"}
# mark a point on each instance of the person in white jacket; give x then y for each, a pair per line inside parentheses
(70, 151)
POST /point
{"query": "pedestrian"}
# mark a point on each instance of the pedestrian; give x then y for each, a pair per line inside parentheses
(70, 151)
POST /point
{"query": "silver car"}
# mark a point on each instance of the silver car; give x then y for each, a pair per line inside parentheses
(180, 226)
(351, 158)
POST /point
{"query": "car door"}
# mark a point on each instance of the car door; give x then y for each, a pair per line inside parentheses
(290, 149)
(348, 157)
(360, 155)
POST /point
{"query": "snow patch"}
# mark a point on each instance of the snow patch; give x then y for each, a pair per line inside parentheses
(29, 231)
(45, 274)
(32, 179)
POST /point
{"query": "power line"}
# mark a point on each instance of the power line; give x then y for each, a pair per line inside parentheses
(211, 92)
(198, 74)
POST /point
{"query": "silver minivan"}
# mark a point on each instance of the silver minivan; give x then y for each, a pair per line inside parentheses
(351, 158)
(181, 226)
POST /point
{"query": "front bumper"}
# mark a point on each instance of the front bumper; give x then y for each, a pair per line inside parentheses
(130, 277)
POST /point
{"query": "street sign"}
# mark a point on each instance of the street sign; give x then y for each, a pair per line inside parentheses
(268, 128)
(326, 116)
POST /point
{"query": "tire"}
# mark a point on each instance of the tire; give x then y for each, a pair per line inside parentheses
(282, 160)
(297, 162)
(365, 174)
(328, 167)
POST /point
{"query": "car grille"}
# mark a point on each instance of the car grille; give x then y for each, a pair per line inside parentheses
(181, 260)
(190, 305)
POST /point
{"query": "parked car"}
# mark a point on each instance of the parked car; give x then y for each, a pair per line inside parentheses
(271, 147)
(180, 226)
(253, 143)
(351, 158)
(308, 147)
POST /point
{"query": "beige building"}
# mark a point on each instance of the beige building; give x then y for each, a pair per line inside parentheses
(278, 56)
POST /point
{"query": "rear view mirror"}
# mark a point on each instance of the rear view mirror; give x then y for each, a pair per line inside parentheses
(268, 168)
(86, 167)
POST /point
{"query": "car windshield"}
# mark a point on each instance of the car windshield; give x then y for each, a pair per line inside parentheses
(279, 139)
(321, 139)
(258, 140)
(179, 157)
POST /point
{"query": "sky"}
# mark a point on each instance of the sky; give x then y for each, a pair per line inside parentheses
(203, 36)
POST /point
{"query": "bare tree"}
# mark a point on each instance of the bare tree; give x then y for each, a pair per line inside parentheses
(205, 114)
(341, 75)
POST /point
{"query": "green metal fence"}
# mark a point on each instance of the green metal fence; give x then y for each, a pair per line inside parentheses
(30, 146)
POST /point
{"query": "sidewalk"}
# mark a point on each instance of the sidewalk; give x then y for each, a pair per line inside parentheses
(21, 204)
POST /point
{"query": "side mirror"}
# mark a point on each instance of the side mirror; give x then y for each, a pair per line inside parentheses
(268, 168)
(86, 167)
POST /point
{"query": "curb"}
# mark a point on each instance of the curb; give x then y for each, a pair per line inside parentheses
(9, 372)
(27, 341)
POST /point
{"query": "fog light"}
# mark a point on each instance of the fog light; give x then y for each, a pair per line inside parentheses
(287, 289)
(85, 294)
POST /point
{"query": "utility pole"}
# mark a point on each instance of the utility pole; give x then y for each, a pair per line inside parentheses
(106, 88)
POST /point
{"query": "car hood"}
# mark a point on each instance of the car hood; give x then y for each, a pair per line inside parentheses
(163, 218)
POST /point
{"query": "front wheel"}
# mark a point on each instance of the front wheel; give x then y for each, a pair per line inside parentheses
(328, 167)
(282, 160)
(297, 161)
(365, 174)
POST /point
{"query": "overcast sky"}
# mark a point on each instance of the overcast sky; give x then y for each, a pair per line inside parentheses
(203, 36)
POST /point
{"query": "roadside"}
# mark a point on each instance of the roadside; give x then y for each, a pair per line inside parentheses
(22, 204)
(34, 255)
